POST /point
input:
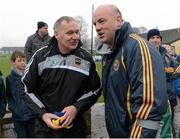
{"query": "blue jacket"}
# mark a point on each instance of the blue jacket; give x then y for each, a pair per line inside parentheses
(16, 105)
(169, 63)
(3, 101)
(134, 85)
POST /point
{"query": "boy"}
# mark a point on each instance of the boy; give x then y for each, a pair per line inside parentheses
(21, 115)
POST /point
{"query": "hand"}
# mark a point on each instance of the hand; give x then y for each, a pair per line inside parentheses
(169, 70)
(70, 113)
(47, 117)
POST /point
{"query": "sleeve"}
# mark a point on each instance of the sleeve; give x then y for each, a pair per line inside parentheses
(28, 48)
(3, 100)
(148, 92)
(9, 95)
(92, 92)
(29, 91)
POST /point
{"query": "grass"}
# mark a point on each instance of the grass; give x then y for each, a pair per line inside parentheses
(99, 70)
(5, 64)
(5, 67)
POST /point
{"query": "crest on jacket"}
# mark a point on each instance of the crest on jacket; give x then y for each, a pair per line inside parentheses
(77, 62)
(116, 65)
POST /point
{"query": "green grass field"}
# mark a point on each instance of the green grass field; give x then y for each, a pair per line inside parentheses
(5, 67)
(5, 64)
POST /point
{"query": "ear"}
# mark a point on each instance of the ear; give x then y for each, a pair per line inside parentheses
(56, 34)
(119, 21)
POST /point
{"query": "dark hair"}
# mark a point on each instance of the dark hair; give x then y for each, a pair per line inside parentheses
(41, 24)
(17, 54)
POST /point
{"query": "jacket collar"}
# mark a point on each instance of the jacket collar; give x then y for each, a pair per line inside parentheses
(120, 35)
(53, 42)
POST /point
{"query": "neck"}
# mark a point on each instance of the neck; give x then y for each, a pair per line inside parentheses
(63, 50)
(40, 34)
(20, 72)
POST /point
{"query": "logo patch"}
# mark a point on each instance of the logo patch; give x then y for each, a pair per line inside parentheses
(77, 62)
(116, 65)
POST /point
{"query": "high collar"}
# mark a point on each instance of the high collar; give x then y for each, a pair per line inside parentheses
(53, 42)
(120, 35)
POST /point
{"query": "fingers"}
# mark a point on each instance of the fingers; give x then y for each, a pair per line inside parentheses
(47, 118)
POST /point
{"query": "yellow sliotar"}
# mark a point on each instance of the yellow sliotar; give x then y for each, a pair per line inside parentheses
(58, 122)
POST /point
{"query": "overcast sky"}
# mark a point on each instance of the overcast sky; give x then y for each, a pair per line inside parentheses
(18, 18)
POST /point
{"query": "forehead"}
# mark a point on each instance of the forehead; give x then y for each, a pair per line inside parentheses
(72, 25)
(102, 12)
(20, 57)
(155, 36)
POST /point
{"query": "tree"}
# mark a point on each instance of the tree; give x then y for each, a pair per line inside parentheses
(83, 28)
(140, 30)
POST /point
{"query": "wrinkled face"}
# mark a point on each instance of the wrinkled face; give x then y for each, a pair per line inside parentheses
(67, 36)
(155, 40)
(44, 30)
(19, 63)
(106, 24)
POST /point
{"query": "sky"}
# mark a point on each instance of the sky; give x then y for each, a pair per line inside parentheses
(18, 18)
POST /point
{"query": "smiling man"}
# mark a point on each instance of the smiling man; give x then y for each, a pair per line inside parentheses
(61, 77)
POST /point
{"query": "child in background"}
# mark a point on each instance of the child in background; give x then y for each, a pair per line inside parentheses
(21, 115)
(3, 101)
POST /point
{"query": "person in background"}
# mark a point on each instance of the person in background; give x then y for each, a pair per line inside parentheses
(3, 100)
(37, 40)
(170, 51)
(134, 86)
(155, 38)
(22, 117)
(176, 86)
(61, 77)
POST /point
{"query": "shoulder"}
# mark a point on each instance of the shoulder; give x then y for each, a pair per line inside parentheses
(31, 37)
(42, 53)
(85, 53)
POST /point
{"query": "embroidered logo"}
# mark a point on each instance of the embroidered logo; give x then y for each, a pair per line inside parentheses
(77, 62)
(116, 65)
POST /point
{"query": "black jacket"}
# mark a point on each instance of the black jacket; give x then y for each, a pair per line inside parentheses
(53, 81)
(3, 101)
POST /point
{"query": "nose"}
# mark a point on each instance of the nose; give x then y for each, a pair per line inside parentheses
(98, 27)
(75, 36)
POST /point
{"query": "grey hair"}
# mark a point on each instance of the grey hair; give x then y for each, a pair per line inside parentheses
(60, 20)
(116, 10)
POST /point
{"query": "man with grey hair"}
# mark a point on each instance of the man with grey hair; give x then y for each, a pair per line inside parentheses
(133, 79)
(61, 83)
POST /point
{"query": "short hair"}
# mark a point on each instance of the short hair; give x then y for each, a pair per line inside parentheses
(17, 54)
(61, 19)
(116, 10)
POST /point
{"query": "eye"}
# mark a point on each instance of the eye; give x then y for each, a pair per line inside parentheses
(102, 21)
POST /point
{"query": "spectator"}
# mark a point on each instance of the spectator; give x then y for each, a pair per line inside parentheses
(21, 115)
(154, 37)
(136, 103)
(61, 77)
(3, 101)
(37, 40)
(170, 64)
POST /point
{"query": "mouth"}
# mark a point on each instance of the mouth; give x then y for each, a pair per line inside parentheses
(101, 35)
(74, 43)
